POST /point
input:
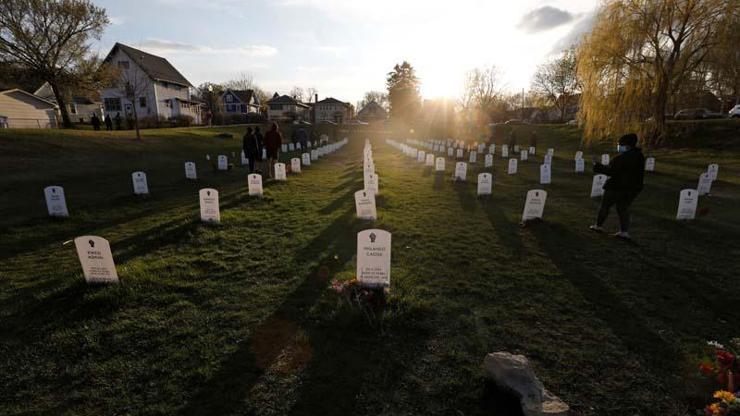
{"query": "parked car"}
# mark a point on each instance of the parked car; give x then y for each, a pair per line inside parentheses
(695, 114)
(516, 121)
(735, 112)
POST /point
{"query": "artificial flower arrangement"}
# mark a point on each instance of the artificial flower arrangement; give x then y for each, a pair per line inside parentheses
(724, 368)
(370, 300)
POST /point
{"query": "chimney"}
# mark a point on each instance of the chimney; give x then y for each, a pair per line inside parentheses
(316, 98)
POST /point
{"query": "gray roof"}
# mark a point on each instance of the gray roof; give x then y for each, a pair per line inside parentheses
(158, 68)
(331, 100)
(286, 99)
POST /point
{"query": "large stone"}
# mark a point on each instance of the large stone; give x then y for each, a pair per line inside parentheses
(514, 372)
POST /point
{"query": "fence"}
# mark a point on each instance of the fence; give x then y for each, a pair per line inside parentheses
(28, 123)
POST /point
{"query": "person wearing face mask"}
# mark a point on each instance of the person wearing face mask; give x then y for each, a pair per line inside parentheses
(626, 172)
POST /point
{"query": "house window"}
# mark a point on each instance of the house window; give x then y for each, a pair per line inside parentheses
(112, 104)
(229, 99)
(73, 109)
(142, 102)
(276, 107)
(244, 108)
(168, 103)
(123, 64)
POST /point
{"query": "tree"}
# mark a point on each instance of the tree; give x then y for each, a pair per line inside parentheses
(403, 93)
(50, 38)
(243, 81)
(557, 81)
(637, 56)
(297, 93)
(380, 97)
(482, 100)
(210, 93)
(134, 84)
(311, 92)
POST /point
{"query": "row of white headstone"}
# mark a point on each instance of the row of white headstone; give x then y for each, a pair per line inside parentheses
(94, 252)
(57, 205)
(365, 207)
(688, 198)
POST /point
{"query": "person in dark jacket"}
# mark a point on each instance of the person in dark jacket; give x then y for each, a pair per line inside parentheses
(108, 123)
(273, 141)
(118, 120)
(95, 121)
(260, 146)
(626, 173)
(251, 149)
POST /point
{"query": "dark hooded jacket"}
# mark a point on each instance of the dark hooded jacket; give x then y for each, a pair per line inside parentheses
(626, 171)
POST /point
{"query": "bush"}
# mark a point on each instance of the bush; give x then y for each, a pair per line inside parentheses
(153, 122)
(181, 121)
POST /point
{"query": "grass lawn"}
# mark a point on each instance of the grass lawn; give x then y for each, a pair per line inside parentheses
(236, 319)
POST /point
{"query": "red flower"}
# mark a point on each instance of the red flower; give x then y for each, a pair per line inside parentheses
(706, 369)
(725, 358)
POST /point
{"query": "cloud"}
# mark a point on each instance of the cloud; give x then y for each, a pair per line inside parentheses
(168, 46)
(583, 26)
(117, 20)
(544, 18)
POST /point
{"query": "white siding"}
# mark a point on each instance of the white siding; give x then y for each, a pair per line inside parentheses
(24, 111)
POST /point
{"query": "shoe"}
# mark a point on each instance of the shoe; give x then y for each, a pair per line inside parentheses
(623, 235)
(596, 228)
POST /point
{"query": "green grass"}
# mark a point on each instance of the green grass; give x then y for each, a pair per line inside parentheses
(236, 318)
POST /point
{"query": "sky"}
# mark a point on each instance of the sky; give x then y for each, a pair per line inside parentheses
(344, 48)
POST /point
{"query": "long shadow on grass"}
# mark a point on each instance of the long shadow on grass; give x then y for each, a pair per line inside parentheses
(464, 194)
(227, 388)
(652, 350)
(507, 231)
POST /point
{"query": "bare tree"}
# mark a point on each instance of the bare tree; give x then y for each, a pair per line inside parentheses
(133, 84)
(482, 93)
(557, 81)
(297, 93)
(50, 38)
(243, 81)
(311, 92)
(380, 97)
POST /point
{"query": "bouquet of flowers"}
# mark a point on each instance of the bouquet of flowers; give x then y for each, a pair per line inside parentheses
(371, 301)
(724, 368)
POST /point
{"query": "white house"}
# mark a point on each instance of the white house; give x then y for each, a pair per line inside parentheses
(159, 89)
(23, 110)
(333, 110)
(240, 102)
(79, 108)
(287, 108)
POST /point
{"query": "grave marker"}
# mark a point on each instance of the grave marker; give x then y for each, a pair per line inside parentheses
(580, 166)
(284, 148)
(516, 148)
(295, 165)
(365, 205)
(190, 172)
(545, 174)
(489, 161)
(547, 160)
(505, 151)
(56, 203)
(209, 208)
(485, 183)
(459, 153)
(430, 160)
(140, 185)
(705, 184)
(223, 162)
(254, 181)
(374, 258)
(473, 157)
(579, 155)
(96, 259)
(605, 159)
(650, 164)
(314, 154)
(532, 150)
(492, 149)
(440, 165)
(245, 161)
(371, 183)
(687, 203)
(421, 156)
(481, 148)
(597, 186)
(534, 207)
(551, 152)
(306, 159)
(524, 155)
(450, 151)
(280, 174)
(713, 171)
(461, 171)
(512, 166)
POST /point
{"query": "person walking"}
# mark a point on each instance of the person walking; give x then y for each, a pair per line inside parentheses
(260, 148)
(626, 177)
(119, 121)
(251, 149)
(108, 123)
(273, 141)
(95, 121)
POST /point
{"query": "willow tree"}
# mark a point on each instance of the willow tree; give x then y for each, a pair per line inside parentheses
(637, 55)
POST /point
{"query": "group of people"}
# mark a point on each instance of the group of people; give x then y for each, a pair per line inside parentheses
(253, 144)
(96, 123)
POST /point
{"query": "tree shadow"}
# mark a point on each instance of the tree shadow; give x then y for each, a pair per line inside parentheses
(506, 231)
(467, 199)
(439, 180)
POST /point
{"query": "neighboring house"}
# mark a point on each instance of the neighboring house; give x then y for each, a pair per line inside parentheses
(372, 112)
(240, 102)
(333, 110)
(80, 108)
(21, 109)
(162, 90)
(287, 108)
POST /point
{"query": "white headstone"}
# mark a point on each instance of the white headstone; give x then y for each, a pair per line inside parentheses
(524, 155)
(308, 144)
(504, 151)
(713, 171)
(461, 171)
(481, 148)
(473, 157)
(430, 160)
(579, 155)
(551, 152)
(489, 160)
(140, 185)
(371, 183)
(284, 148)
(365, 205)
(492, 149)
(208, 157)
(580, 165)
(254, 181)
(306, 159)
(705, 184)
(374, 258)
(223, 162)
(440, 165)
(264, 154)
(516, 148)
(545, 174)
(421, 156)
(314, 154)
(650, 164)
(547, 160)
(295, 165)
(96, 259)
(485, 183)
(687, 203)
(460, 153)
(512, 166)
(298, 146)
(534, 207)
(209, 208)
(280, 174)
(597, 186)
(56, 203)
(532, 150)
(245, 161)
(605, 159)
(291, 147)
(190, 172)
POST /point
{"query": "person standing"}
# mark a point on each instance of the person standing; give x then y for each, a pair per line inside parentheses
(119, 121)
(95, 121)
(260, 146)
(273, 141)
(626, 176)
(251, 149)
(108, 123)
(512, 139)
